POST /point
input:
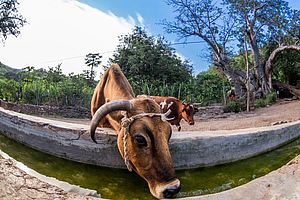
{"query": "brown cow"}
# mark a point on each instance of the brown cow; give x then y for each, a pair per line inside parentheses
(178, 109)
(142, 135)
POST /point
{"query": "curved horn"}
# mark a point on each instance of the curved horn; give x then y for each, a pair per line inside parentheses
(105, 109)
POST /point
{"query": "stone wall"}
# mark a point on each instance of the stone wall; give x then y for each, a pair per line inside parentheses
(44, 110)
(209, 112)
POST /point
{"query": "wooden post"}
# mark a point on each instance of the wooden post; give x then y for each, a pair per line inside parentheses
(224, 95)
(247, 78)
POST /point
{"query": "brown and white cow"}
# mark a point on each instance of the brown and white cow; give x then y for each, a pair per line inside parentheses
(178, 109)
(142, 136)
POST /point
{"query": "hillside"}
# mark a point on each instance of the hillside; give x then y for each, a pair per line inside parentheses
(4, 69)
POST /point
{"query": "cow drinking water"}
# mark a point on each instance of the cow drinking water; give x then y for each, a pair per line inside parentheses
(142, 131)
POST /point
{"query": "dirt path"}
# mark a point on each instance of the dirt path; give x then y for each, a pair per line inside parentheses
(280, 112)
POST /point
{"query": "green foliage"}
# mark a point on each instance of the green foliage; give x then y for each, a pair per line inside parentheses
(51, 87)
(259, 103)
(271, 98)
(47, 87)
(233, 106)
(157, 89)
(268, 100)
(238, 61)
(206, 88)
(54, 74)
(286, 68)
(9, 90)
(210, 87)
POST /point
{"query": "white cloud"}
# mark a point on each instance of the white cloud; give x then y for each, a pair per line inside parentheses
(140, 19)
(63, 31)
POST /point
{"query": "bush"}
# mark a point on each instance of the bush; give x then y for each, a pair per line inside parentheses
(271, 98)
(268, 100)
(259, 103)
(233, 106)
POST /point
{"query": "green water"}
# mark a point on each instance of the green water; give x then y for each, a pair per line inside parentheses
(122, 184)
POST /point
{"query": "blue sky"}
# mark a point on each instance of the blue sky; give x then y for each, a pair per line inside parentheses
(64, 31)
(153, 11)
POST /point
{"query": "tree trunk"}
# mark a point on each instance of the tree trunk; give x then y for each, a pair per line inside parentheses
(272, 58)
(259, 68)
(235, 77)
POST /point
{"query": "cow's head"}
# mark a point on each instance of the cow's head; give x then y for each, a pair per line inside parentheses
(145, 144)
(188, 113)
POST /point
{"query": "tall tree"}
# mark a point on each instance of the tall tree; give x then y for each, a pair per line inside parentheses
(214, 25)
(10, 19)
(262, 20)
(92, 60)
(146, 58)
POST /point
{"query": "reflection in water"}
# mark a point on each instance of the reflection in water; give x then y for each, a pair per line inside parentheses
(122, 184)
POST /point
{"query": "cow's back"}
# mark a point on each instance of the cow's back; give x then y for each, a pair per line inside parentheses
(113, 85)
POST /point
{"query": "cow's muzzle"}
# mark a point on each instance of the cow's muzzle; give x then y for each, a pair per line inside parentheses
(171, 191)
(191, 123)
(168, 190)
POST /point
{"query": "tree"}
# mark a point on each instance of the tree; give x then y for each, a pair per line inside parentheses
(276, 53)
(92, 60)
(10, 19)
(199, 19)
(287, 61)
(54, 75)
(146, 58)
(261, 20)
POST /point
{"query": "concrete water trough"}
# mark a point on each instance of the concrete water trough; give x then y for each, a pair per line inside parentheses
(190, 149)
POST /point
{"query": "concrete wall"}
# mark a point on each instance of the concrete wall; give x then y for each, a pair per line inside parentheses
(189, 149)
(46, 110)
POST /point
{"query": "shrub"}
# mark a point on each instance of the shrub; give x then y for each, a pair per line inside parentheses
(271, 98)
(233, 106)
(268, 100)
(260, 103)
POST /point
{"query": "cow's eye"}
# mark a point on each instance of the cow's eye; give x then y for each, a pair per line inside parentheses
(140, 140)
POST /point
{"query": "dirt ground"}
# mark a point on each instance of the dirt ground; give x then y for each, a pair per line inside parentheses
(281, 112)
